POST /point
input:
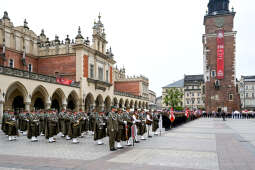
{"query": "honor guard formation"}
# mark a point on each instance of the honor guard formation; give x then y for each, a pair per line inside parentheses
(127, 126)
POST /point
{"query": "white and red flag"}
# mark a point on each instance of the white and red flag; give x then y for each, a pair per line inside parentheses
(172, 117)
(187, 112)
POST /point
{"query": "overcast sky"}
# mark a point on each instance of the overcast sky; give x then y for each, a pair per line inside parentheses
(161, 39)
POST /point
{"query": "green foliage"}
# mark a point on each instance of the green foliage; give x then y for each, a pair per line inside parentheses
(173, 98)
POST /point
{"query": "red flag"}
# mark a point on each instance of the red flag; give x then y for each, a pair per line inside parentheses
(64, 81)
(172, 117)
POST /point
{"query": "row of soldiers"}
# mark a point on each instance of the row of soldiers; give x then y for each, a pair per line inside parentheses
(119, 125)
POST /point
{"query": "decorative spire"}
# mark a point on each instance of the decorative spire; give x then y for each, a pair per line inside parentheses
(57, 40)
(6, 15)
(67, 39)
(42, 33)
(79, 36)
(87, 42)
(99, 17)
(26, 24)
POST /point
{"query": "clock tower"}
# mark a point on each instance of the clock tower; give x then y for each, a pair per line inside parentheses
(219, 58)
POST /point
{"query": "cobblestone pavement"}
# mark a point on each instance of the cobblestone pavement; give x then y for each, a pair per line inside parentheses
(204, 144)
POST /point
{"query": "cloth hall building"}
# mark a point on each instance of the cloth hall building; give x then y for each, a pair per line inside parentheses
(38, 73)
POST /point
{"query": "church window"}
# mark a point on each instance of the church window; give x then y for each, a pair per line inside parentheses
(230, 97)
(11, 63)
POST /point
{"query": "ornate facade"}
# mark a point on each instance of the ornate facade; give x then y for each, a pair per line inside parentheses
(31, 65)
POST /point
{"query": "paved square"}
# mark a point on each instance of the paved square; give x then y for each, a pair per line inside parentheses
(203, 144)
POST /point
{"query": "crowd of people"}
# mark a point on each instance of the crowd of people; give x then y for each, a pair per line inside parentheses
(245, 114)
(122, 126)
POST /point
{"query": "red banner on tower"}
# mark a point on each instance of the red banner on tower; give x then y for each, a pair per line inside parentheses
(220, 54)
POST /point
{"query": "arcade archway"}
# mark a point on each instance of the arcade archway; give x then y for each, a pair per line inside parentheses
(73, 101)
(99, 103)
(15, 97)
(121, 103)
(107, 104)
(89, 102)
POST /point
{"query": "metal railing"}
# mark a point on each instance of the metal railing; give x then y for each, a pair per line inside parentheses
(32, 76)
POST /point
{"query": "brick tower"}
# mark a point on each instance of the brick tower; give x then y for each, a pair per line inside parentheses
(219, 58)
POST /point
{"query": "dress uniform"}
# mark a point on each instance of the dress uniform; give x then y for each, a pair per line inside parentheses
(74, 128)
(137, 123)
(51, 126)
(121, 130)
(33, 126)
(99, 128)
(148, 122)
(42, 119)
(142, 125)
(112, 128)
(12, 128)
(128, 123)
(155, 123)
(62, 124)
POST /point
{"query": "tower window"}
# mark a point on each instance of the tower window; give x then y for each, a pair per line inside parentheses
(213, 73)
(230, 97)
(11, 63)
(30, 68)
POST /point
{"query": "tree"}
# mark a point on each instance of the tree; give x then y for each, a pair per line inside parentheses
(173, 97)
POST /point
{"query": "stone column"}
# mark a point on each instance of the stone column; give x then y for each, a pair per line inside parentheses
(48, 104)
(64, 106)
(27, 106)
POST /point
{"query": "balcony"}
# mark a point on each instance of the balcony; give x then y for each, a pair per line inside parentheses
(99, 84)
(32, 76)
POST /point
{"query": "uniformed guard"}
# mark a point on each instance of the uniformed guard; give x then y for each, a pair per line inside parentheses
(112, 128)
(121, 135)
(137, 123)
(74, 128)
(12, 128)
(4, 125)
(51, 126)
(142, 124)
(42, 119)
(92, 121)
(23, 122)
(155, 123)
(99, 128)
(67, 118)
(33, 126)
(82, 123)
(128, 124)
(62, 122)
(148, 122)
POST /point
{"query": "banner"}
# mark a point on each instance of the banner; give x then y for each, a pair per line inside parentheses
(64, 81)
(220, 54)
